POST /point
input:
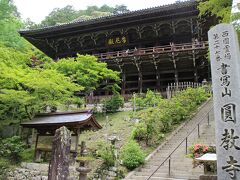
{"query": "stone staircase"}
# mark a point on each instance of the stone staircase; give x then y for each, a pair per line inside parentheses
(180, 166)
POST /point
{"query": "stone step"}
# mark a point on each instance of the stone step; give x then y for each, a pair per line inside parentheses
(158, 178)
(163, 178)
(181, 166)
(173, 168)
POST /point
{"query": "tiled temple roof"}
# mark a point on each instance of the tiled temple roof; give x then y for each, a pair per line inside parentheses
(136, 13)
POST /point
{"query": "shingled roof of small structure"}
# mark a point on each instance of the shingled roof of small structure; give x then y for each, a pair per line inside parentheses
(146, 11)
(72, 120)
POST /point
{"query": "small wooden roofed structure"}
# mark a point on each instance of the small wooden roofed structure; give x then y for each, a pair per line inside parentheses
(47, 123)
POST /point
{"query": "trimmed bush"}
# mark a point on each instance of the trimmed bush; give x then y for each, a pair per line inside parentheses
(150, 99)
(131, 154)
(114, 103)
(106, 152)
(161, 119)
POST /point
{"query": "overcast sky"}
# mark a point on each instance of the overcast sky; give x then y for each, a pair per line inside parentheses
(36, 10)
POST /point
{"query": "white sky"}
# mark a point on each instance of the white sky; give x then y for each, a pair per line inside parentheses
(36, 10)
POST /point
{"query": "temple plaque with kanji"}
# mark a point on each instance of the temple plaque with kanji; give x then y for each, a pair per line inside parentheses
(225, 67)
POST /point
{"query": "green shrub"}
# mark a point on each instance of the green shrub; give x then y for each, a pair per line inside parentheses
(106, 152)
(27, 155)
(150, 99)
(161, 119)
(10, 148)
(4, 165)
(139, 131)
(114, 103)
(131, 154)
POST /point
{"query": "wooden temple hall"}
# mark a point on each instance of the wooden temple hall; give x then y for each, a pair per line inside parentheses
(150, 47)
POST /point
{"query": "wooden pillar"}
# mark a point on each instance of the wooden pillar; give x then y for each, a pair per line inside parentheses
(199, 31)
(123, 83)
(192, 28)
(176, 76)
(158, 80)
(140, 82)
(175, 68)
(35, 150)
(173, 31)
(195, 67)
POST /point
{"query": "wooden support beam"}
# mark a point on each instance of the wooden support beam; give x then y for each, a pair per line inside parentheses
(175, 68)
(158, 81)
(140, 82)
(35, 150)
(123, 83)
(176, 76)
(195, 67)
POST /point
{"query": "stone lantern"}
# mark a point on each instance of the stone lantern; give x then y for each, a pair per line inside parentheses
(83, 161)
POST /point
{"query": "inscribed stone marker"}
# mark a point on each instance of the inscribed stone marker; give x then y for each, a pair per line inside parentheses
(225, 67)
(59, 165)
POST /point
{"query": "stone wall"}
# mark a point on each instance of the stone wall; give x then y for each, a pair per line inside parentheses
(35, 171)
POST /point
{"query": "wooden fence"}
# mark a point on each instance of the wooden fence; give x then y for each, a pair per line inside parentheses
(98, 99)
(173, 88)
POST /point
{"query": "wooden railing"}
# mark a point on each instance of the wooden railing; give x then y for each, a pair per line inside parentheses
(174, 88)
(98, 99)
(153, 50)
(205, 117)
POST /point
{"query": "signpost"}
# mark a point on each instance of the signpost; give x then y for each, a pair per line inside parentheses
(225, 68)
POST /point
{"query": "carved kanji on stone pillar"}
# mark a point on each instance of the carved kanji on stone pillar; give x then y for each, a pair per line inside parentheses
(59, 164)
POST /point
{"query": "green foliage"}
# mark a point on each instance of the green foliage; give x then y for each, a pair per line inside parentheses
(114, 103)
(27, 155)
(25, 91)
(131, 154)
(221, 9)
(10, 24)
(197, 150)
(4, 165)
(60, 15)
(150, 99)
(119, 9)
(140, 132)
(235, 18)
(85, 71)
(106, 152)
(11, 148)
(155, 122)
(69, 14)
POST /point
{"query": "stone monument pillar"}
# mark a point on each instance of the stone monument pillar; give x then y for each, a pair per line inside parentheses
(225, 67)
(59, 164)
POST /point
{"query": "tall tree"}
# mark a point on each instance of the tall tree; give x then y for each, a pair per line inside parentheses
(68, 14)
(60, 15)
(24, 91)
(120, 9)
(9, 25)
(85, 71)
(218, 8)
